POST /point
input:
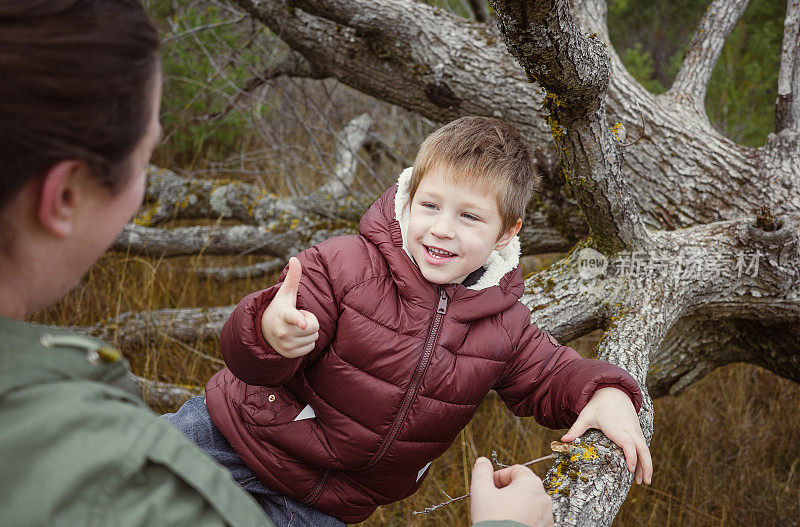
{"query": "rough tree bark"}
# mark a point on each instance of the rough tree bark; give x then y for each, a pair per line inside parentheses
(692, 259)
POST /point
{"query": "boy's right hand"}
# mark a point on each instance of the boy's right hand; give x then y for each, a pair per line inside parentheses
(290, 331)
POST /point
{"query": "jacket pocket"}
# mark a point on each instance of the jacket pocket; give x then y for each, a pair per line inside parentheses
(267, 407)
(275, 417)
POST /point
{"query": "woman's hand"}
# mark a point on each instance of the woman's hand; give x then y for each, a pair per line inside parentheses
(513, 493)
(611, 410)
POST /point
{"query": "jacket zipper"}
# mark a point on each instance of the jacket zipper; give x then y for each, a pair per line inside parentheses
(318, 489)
(416, 380)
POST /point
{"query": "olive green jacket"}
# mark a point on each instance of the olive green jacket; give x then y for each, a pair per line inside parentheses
(79, 450)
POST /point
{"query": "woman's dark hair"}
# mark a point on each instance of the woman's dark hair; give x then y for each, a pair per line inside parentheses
(75, 79)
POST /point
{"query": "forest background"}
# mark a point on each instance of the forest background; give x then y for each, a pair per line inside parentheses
(723, 450)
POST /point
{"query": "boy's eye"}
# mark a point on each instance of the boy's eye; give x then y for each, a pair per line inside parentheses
(470, 217)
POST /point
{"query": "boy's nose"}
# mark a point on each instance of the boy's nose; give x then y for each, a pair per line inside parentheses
(442, 228)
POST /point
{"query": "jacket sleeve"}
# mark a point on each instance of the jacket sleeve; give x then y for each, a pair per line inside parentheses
(553, 383)
(174, 484)
(248, 356)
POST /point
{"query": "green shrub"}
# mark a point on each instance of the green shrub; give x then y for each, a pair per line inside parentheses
(203, 72)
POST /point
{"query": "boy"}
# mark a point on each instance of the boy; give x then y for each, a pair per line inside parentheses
(362, 365)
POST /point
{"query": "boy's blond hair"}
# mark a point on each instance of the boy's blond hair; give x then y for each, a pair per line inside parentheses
(486, 152)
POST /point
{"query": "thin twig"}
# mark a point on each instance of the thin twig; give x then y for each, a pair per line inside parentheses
(537, 460)
(641, 130)
(193, 350)
(448, 502)
(202, 28)
(432, 508)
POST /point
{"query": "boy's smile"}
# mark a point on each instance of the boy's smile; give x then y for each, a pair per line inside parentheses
(453, 227)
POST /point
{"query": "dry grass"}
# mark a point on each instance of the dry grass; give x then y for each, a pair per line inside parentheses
(725, 452)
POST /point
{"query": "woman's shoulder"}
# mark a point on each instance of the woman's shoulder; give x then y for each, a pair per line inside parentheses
(38, 359)
(98, 450)
(101, 454)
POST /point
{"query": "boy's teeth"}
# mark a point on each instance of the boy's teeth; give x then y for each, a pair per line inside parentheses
(438, 253)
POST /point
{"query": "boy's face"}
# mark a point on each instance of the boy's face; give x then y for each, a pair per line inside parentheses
(453, 228)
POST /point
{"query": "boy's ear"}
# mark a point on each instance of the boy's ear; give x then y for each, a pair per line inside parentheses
(507, 236)
(59, 197)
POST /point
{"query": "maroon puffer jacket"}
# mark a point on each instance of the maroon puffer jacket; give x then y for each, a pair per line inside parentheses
(399, 369)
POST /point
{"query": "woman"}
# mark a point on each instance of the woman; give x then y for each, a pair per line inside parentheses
(79, 96)
(79, 100)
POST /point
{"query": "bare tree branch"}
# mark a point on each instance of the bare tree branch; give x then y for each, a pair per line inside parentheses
(699, 344)
(164, 394)
(709, 38)
(140, 328)
(692, 349)
(578, 485)
(281, 224)
(198, 29)
(348, 142)
(225, 274)
(170, 196)
(293, 65)
(532, 31)
(394, 52)
(787, 106)
(367, 18)
(576, 77)
(232, 240)
(554, 306)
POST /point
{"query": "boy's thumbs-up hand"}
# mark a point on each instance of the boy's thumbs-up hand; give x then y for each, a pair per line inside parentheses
(290, 331)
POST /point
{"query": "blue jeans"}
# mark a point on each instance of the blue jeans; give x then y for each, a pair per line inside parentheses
(193, 420)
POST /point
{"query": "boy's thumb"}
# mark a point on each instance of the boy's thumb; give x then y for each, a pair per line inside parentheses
(291, 282)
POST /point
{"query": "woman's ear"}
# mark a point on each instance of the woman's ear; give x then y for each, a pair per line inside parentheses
(59, 197)
(508, 235)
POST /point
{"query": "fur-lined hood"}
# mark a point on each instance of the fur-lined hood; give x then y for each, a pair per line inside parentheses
(499, 288)
(496, 266)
